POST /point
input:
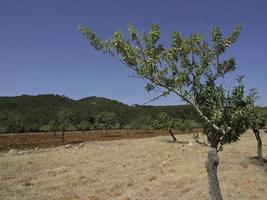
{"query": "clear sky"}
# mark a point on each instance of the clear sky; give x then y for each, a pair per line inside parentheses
(41, 50)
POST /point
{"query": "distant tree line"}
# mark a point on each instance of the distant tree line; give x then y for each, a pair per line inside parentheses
(51, 113)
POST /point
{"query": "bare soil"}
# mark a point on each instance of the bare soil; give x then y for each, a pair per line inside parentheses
(42, 140)
(137, 169)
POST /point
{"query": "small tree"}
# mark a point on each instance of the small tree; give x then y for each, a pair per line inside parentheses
(192, 68)
(257, 121)
(164, 122)
(54, 124)
(84, 126)
(122, 118)
(64, 119)
(142, 121)
(18, 123)
(106, 120)
(45, 128)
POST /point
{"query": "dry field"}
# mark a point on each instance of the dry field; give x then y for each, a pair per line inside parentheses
(144, 169)
(42, 140)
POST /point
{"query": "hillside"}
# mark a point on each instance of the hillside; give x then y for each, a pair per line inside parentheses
(30, 113)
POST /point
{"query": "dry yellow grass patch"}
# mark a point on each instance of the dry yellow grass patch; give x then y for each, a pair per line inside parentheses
(148, 169)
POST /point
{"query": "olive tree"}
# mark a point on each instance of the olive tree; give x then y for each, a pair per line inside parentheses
(192, 68)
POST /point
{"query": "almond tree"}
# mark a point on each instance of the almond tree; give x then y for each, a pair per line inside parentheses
(257, 121)
(64, 117)
(106, 119)
(164, 122)
(84, 126)
(192, 68)
(45, 128)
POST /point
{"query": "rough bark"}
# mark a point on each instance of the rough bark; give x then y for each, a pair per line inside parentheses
(211, 166)
(259, 145)
(173, 136)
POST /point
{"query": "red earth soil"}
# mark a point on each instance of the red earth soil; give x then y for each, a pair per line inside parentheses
(42, 140)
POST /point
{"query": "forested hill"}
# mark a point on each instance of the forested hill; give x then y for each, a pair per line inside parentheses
(36, 113)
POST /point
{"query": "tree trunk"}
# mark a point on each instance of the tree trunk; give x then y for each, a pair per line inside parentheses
(63, 137)
(259, 146)
(55, 130)
(211, 166)
(173, 137)
(120, 125)
(196, 137)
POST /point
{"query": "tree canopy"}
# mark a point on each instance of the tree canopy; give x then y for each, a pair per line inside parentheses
(34, 113)
(190, 67)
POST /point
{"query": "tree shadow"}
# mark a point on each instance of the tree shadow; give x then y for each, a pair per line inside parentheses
(177, 142)
(202, 143)
(74, 142)
(113, 136)
(254, 160)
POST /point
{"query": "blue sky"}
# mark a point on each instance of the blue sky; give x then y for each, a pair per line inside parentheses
(41, 50)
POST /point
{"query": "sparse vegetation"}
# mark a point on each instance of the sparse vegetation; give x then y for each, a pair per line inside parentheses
(190, 68)
(196, 131)
(129, 169)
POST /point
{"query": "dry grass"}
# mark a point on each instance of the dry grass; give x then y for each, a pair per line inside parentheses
(131, 169)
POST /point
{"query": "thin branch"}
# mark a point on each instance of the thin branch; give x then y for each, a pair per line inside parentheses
(157, 98)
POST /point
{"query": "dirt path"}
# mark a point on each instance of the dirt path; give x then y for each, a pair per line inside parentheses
(138, 169)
